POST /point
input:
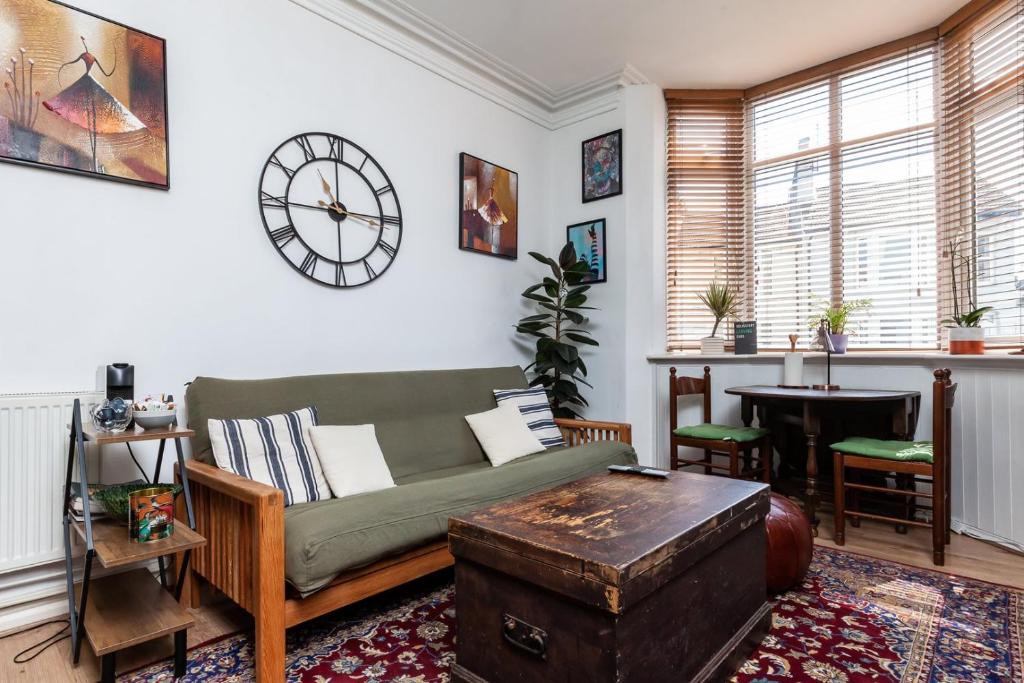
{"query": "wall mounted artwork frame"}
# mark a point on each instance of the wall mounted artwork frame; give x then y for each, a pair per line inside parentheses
(488, 208)
(601, 166)
(589, 239)
(83, 94)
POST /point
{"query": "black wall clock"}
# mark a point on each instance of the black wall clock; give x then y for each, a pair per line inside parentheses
(330, 210)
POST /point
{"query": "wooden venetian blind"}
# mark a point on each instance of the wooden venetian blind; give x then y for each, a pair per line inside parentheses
(981, 192)
(841, 184)
(705, 209)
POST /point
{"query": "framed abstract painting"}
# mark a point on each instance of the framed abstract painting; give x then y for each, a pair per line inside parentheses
(588, 238)
(602, 166)
(82, 94)
(488, 208)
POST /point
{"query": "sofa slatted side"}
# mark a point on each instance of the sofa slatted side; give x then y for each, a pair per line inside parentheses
(579, 432)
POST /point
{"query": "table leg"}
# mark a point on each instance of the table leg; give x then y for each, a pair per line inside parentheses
(746, 410)
(812, 430)
(812, 481)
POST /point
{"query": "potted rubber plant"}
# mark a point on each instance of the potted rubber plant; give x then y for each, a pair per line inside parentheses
(840, 321)
(966, 335)
(560, 328)
(723, 303)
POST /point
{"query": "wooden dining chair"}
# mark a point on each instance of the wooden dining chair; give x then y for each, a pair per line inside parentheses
(715, 439)
(928, 459)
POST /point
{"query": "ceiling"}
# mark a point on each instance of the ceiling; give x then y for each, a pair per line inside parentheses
(677, 43)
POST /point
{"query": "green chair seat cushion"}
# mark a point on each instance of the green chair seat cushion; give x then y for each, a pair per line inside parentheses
(715, 432)
(904, 451)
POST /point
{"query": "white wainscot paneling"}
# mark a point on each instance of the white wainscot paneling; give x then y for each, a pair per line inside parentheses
(988, 420)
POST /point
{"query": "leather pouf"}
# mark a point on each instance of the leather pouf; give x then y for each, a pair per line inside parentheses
(790, 544)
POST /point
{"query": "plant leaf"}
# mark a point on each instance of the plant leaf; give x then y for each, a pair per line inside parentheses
(567, 256)
(581, 339)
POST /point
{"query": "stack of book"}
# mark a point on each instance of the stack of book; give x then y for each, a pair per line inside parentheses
(78, 505)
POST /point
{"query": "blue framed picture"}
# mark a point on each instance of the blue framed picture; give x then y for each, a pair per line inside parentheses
(588, 238)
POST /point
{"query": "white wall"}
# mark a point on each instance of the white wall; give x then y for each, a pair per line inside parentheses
(605, 364)
(185, 282)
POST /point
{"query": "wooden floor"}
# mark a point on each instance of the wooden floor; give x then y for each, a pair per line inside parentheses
(966, 557)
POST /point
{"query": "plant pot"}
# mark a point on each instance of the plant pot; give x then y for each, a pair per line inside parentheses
(839, 342)
(966, 341)
(711, 346)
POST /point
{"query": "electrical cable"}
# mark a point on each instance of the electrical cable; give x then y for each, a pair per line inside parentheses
(45, 643)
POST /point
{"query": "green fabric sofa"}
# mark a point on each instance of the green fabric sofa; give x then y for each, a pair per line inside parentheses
(436, 461)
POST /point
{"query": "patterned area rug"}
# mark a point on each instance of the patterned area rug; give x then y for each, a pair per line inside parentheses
(853, 619)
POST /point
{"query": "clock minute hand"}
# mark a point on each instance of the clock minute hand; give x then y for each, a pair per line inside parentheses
(326, 187)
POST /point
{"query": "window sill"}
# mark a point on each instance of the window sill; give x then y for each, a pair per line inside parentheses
(997, 358)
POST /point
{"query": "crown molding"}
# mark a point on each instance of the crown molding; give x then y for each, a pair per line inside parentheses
(407, 32)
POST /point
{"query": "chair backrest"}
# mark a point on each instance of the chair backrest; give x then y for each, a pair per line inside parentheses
(943, 395)
(688, 386)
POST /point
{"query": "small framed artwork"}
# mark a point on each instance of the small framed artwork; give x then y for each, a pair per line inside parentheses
(488, 208)
(588, 238)
(84, 94)
(602, 166)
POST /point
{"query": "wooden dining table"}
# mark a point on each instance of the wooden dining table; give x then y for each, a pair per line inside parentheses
(897, 412)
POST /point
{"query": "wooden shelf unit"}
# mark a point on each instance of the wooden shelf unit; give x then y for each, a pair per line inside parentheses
(115, 549)
(132, 607)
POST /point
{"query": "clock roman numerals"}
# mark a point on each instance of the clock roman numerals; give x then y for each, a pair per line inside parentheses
(309, 263)
(283, 236)
(306, 146)
(271, 202)
(337, 149)
(274, 161)
(313, 191)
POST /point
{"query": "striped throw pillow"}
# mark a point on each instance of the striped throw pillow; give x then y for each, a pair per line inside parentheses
(272, 450)
(535, 409)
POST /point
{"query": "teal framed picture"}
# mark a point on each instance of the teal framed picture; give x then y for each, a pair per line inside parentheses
(588, 238)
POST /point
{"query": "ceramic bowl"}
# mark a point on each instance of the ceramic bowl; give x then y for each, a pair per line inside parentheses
(155, 419)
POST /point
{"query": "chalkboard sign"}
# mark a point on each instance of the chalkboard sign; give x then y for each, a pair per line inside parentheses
(745, 336)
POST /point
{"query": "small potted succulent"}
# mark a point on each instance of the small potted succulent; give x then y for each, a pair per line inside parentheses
(966, 335)
(840, 321)
(723, 303)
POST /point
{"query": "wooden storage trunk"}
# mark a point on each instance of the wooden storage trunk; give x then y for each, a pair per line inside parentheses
(616, 577)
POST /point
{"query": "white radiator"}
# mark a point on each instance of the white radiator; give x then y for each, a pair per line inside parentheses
(33, 457)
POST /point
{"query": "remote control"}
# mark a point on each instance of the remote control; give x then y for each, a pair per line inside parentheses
(638, 469)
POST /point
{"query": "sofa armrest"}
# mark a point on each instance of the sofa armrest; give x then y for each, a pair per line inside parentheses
(243, 523)
(231, 484)
(578, 432)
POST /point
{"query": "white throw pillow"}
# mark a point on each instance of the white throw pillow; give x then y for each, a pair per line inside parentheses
(272, 450)
(351, 459)
(503, 434)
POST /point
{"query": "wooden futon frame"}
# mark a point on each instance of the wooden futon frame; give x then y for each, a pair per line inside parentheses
(243, 523)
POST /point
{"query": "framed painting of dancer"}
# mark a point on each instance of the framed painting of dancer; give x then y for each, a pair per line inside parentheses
(588, 238)
(82, 94)
(489, 208)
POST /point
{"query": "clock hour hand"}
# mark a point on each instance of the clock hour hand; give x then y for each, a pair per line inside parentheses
(357, 216)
